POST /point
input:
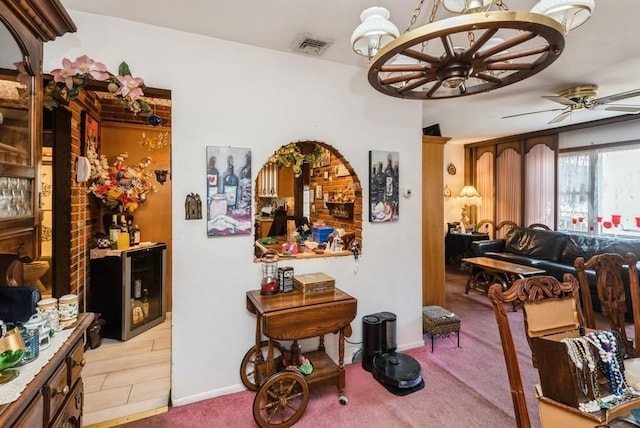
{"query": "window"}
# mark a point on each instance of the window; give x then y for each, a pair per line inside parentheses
(597, 190)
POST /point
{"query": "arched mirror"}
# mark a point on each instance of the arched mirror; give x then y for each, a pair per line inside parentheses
(308, 203)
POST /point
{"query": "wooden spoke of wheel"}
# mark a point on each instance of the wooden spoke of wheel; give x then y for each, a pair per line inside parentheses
(248, 365)
(534, 39)
(281, 400)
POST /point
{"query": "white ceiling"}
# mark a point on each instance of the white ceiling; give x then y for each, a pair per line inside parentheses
(603, 51)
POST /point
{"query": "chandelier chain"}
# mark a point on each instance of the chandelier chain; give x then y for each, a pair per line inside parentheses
(500, 5)
(434, 11)
(414, 15)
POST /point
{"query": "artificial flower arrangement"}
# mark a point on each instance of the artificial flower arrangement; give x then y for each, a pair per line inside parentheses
(69, 81)
(291, 156)
(119, 186)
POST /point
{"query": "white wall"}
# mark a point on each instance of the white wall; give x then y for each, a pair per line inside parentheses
(231, 94)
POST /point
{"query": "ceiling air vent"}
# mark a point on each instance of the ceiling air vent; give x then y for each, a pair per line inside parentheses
(311, 45)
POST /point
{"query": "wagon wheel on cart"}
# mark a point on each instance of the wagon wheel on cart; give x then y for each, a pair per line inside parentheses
(248, 365)
(482, 280)
(281, 400)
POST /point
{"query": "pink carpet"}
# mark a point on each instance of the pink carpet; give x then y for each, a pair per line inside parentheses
(465, 387)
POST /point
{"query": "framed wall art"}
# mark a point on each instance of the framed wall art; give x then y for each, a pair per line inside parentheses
(89, 132)
(324, 159)
(384, 190)
(229, 196)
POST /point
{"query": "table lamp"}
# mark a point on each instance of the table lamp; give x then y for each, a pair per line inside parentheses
(468, 196)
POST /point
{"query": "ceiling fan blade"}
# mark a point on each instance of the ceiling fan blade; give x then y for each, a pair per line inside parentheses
(562, 116)
(620, 107)
(531, 112)
(561, 100)
(617, 97)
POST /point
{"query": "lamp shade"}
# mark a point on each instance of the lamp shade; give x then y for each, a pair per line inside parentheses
(374, 32)
(570, 13)
(470, 196)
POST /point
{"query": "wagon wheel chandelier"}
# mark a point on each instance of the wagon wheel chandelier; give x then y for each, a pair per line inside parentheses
(484, 46)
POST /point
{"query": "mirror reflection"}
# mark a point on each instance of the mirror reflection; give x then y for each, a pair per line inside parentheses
(308, 203)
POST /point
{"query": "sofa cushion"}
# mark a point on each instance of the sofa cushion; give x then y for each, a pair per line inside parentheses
(536, 243)
(513, 258)
(588, 246)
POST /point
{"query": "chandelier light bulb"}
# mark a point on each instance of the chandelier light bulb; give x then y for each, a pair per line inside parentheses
(374, 32)
(570, 13)
(460, 6)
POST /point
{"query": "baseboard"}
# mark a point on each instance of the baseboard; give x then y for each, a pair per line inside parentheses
(130, 418)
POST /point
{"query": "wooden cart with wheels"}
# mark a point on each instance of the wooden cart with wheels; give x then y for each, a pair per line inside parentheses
(282, 394)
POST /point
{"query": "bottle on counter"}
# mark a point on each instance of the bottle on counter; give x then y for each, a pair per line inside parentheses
(123, 237)
(131, 234)
(114, 231)
(136, 235)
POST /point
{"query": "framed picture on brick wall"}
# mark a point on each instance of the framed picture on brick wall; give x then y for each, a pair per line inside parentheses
(89, 133)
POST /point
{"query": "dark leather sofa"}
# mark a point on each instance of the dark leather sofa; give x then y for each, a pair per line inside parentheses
(555, 252)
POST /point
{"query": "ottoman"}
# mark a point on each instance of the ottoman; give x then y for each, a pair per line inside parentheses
(439, 322)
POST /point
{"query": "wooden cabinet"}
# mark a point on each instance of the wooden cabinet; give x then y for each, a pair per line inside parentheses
(285, 182)
(24, 27)
(275, 181)
(54, 398)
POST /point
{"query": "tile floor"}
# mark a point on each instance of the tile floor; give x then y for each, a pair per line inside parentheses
(122, 379)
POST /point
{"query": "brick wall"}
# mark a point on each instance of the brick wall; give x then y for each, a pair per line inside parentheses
(333, 185)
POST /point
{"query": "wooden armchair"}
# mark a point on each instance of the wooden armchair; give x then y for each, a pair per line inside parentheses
(611, 294)
(539, 226)
(504, 227)
(549, 306)
(486, 226)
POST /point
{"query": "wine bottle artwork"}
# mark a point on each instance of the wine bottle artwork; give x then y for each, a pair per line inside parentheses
(384, 187)
(229, 191)
(230, 185)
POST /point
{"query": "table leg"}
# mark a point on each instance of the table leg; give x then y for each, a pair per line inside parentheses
(341, 375)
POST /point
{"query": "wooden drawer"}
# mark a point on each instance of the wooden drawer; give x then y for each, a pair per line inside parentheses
(75, 363)
(33, 416)
(71, 414)
(56, 391)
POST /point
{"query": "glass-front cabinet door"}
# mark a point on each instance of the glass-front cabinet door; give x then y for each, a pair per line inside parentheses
(16, 191)
(19, 144)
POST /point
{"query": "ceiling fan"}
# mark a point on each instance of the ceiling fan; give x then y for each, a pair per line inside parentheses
(584, 97)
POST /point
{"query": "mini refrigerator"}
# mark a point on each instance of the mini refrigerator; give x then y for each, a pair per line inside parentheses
(128, 289)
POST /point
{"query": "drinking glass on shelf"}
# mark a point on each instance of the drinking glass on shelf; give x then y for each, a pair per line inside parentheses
(574, 221)
(599, 220)
(615, 219)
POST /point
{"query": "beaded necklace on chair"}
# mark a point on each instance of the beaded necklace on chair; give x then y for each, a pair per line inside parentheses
(610, 364)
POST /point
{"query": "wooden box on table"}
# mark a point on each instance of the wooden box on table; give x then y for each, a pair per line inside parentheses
(314, 283)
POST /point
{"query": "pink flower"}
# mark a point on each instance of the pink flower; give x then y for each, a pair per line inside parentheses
(65, 74)
(23, 76)
(130, 87)
(86, 65)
